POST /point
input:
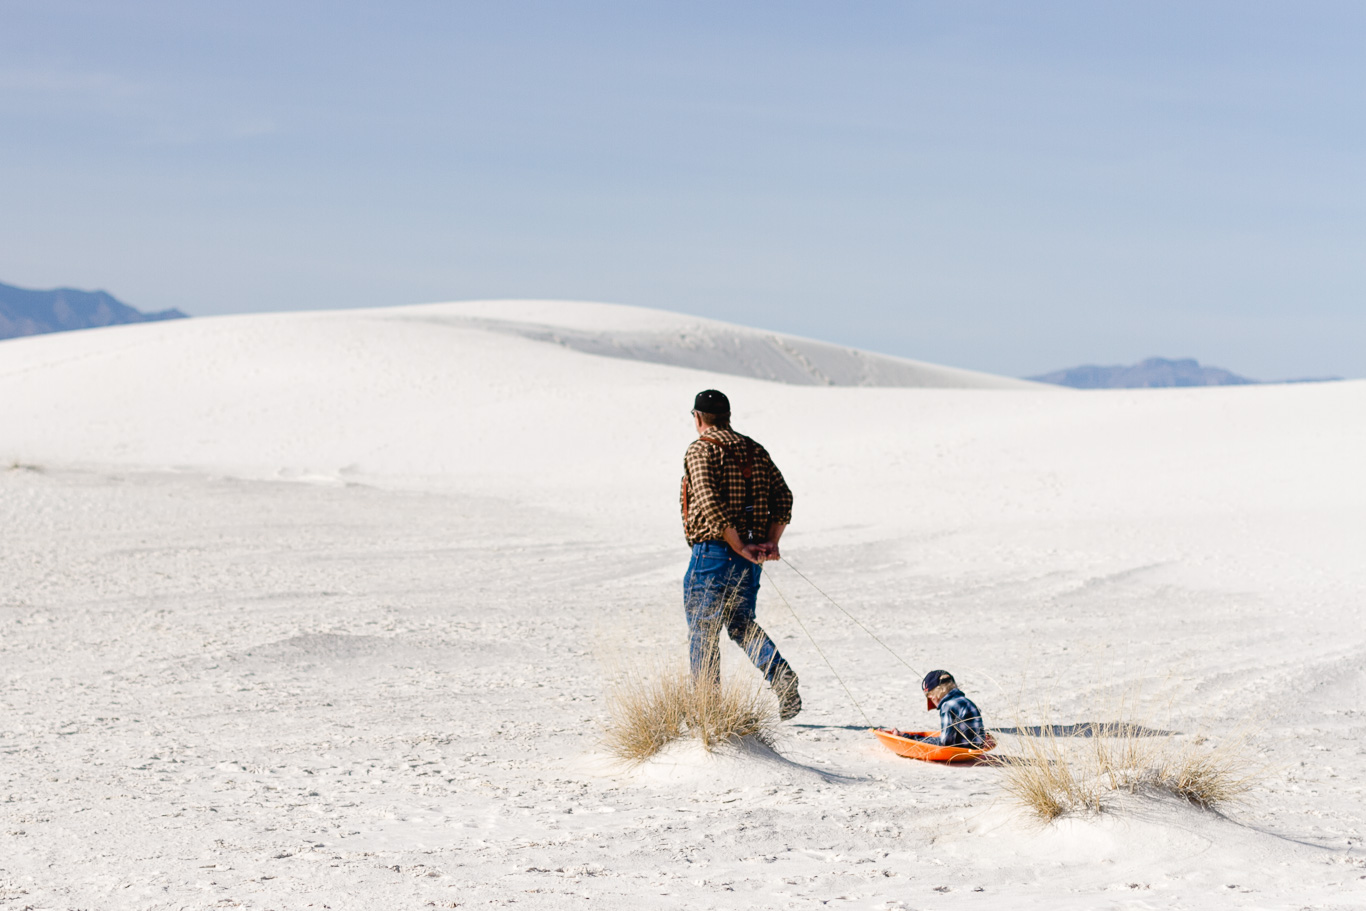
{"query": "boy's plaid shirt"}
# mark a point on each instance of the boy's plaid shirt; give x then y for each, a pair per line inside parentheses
(960, 721)
(712, 497)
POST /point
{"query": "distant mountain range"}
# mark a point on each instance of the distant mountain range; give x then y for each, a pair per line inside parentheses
(1152, 373)
(25, 312)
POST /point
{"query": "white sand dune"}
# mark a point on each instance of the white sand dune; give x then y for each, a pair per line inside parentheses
(658, 337)
(313, 608)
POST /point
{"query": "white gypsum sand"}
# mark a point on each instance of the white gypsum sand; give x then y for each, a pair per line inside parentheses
(313, 608)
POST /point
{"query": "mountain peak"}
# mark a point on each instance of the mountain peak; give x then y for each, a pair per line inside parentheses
(28, 312)
(1153, 372)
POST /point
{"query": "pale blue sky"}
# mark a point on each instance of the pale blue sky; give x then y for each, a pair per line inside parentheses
(1011, 187)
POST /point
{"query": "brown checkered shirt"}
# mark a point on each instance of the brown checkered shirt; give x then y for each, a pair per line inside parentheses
(714, 491)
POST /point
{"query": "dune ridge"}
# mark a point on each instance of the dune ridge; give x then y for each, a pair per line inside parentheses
(658, 337)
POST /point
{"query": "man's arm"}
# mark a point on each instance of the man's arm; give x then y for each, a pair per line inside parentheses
(779, 511)
(779, 497)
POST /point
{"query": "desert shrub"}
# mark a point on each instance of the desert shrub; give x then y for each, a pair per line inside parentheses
(740, 707)
(649, 708)
(1045, 779)
(1208, 775)
(645, 713)
(1054, 776)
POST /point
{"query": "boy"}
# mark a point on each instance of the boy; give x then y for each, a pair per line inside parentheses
(960, 721)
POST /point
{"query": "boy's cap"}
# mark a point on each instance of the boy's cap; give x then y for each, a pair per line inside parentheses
(711, 401)
(932, 680)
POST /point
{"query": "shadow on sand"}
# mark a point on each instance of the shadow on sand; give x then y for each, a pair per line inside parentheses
(1080, 729)
(1085, 729)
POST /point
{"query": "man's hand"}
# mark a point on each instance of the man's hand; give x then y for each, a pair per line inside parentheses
(770, 546)
(750, 552)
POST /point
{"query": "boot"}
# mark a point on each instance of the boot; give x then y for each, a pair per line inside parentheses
(785, 688)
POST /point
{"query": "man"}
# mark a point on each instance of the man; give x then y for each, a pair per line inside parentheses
(735, 507)
(960, 721)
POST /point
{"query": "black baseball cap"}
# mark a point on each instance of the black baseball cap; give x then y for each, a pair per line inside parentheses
(932, 680)
(711, 401)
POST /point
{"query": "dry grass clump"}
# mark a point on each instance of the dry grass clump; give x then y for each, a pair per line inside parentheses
(1207, 775)
(1046, 780)
(644, 714)
(649, 710)
(1057, 776)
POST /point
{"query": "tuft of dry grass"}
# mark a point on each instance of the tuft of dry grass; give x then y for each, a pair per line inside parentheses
(1055, 776)
(650, 708)
(645, 714)
(1209, 776)
(1046, 780)
(738, 708)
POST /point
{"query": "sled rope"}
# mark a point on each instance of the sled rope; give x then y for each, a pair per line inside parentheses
(847, 691)
(874, 635)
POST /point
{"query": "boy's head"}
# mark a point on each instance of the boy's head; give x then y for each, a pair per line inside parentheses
(936, 685)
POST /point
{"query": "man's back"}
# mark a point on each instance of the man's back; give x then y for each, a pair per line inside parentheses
(730, 480)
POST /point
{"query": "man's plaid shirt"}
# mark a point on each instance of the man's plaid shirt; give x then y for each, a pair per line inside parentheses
(960, 721)
(712, 497)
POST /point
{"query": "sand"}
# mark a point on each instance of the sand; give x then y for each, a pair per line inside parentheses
(316, 610)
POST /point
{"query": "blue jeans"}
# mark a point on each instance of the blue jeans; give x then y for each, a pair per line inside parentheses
(720, 590)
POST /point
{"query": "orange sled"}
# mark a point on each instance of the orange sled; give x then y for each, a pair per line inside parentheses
(930, 752)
